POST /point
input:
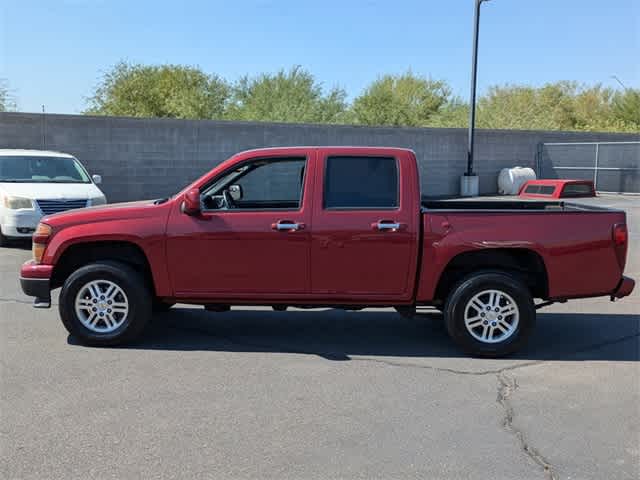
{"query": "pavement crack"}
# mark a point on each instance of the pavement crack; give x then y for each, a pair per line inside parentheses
(506, 386)
(478, 373)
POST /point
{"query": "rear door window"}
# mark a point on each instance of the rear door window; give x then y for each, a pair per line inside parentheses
(355, 182)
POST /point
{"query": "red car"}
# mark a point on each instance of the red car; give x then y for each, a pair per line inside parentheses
(325, 226)
(552, 188)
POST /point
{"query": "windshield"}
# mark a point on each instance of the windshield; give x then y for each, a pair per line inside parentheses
(36, 169)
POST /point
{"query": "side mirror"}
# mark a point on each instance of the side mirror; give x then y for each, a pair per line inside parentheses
(97, 179)
(191, 202)
(236, 192)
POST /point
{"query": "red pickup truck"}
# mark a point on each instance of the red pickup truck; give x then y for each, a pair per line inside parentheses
(344, 227)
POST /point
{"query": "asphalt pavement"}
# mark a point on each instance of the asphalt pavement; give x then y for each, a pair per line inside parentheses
(321, 394)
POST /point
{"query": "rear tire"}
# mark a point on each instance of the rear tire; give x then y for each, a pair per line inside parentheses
(105, 303)
(490, 314)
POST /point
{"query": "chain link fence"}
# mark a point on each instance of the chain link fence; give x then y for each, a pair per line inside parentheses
(614, 167)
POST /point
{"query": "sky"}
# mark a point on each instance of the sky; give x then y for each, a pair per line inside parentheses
(53, 52)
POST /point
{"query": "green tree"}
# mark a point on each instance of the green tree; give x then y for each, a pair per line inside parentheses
(174, 91)
(561, 105)
(453, 114)
(592, 108)
(528, 108)
(7, 102)
(295, 95)
(286, 96)
(626, 107)
(401, 100)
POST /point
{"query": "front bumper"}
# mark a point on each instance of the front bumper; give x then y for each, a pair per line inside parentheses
(20, 223)
(624, 288)
(35, 281)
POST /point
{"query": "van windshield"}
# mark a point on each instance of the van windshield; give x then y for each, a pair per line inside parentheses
(37, 169)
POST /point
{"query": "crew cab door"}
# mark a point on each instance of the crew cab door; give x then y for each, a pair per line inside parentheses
(366, 225)
(252, 237)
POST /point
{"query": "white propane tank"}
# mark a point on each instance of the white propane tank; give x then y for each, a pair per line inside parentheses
(511, 179)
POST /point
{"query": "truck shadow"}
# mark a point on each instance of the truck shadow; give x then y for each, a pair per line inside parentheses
(337, 335)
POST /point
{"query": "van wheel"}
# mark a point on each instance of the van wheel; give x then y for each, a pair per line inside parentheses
(490, 314)
(105, 303)
(4, 241)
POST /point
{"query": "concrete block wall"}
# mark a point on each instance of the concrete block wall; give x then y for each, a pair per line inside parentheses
(149, 158)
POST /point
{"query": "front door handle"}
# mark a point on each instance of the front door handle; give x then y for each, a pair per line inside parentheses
(287, 226)
(387, 225)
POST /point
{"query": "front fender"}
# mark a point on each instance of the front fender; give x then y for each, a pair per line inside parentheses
(148, 234)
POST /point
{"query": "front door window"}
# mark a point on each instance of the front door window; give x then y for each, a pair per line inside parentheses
(270, 184)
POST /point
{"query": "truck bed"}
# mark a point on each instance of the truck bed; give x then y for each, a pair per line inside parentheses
(572, 240)
(509, 206)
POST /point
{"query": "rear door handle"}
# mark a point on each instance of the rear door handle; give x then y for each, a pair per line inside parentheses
(387, 225)
(287, 226)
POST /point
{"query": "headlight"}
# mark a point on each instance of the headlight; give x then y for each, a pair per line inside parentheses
(98, 201)
(14, 203)
(40, 239)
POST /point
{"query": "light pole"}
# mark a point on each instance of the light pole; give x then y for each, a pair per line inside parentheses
(615, 77)
(469, 182)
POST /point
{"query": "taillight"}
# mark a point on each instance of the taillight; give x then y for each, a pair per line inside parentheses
(620, 234)
(40, 239)
(620, 237)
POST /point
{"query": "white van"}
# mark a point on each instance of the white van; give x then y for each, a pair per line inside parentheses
(34, 183)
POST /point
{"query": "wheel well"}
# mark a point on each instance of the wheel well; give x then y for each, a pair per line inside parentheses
(525, 264)
(76, 256)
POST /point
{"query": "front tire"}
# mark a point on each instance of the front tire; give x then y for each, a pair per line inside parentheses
(490, 314)
(105, 303)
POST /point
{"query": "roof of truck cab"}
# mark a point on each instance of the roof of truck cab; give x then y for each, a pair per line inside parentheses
(17, 152)
(329, 147)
